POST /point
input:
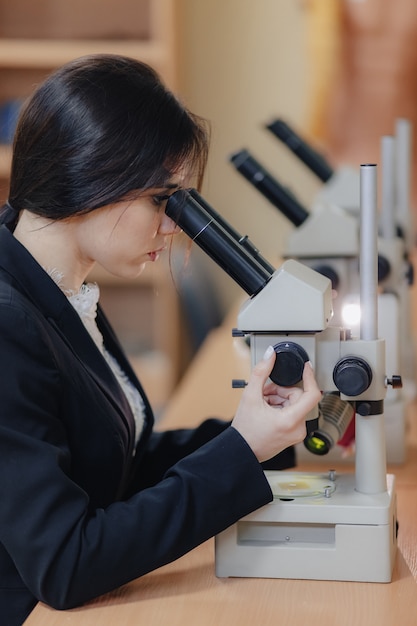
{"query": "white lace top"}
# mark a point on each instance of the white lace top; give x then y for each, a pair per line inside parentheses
(85, 303)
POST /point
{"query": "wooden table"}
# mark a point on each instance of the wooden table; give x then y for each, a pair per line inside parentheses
(187, 593)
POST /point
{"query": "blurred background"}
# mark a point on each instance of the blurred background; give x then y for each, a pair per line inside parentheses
(339, 71)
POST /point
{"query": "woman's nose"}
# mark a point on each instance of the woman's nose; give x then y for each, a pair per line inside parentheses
(168, 226)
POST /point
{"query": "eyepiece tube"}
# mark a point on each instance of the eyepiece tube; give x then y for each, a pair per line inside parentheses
(315, 161)
(243, 240)
(280, 197)
(185, 209)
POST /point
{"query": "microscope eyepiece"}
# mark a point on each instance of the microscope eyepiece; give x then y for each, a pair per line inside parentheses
(299, 147)
(243, 240)
(187, 209)
(273, 191)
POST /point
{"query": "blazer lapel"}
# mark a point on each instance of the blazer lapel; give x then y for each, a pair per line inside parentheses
(48, 298)
(73, 332)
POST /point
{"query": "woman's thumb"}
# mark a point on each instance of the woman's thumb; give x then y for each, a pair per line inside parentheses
(263, 368)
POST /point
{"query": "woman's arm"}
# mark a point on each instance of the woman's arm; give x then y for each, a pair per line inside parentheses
(66, 551)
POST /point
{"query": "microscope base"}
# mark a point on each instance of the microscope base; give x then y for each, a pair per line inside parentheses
(339, 534)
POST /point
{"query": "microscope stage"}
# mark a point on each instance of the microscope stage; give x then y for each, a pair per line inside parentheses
(316, 527)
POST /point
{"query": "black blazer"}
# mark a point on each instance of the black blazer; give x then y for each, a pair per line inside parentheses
(81, 511)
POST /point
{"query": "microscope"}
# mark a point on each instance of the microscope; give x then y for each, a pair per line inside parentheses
(396, 243)
(341, 186)
(327, 239)
(325, 526)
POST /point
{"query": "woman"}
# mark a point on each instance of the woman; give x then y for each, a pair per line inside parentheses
(91, 497)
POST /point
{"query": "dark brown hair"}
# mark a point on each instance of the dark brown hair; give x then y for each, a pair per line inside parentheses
(97, 129)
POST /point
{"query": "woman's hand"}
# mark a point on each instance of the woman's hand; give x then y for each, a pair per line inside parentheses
(271, 418)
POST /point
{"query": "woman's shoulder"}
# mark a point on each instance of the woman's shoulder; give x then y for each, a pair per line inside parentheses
(21, 321)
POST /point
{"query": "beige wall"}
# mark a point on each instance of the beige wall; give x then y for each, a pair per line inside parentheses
(243, 62)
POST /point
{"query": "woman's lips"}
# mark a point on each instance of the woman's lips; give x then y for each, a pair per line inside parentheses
(155, 254)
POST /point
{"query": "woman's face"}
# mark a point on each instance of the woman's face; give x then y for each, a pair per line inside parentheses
(122, 237)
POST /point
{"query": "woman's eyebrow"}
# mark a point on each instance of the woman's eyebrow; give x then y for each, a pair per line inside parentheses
(167, 188)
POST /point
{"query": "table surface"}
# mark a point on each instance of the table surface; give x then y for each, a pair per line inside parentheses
(187, 591)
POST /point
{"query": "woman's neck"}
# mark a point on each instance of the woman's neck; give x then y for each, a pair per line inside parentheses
(53, 243)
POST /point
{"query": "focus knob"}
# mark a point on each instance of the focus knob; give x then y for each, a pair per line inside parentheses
(384, 268)
(395, 381)
(352, 376)
(289, 364)
(330, 273)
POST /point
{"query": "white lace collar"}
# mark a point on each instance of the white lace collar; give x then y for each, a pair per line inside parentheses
(85, 302)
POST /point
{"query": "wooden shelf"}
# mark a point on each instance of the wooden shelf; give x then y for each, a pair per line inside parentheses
(51, 34)
(51, 53)
(5, 161)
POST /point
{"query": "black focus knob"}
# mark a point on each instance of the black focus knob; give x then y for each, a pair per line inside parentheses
(409, 274)
(352, 375)
(384, 268)
(330, 273)
(395, 381)
(289, 363)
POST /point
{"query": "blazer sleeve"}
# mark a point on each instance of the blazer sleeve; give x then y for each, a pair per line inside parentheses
(68, 552)
(164, 448)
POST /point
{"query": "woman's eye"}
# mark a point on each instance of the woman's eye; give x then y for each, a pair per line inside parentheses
(159, 200)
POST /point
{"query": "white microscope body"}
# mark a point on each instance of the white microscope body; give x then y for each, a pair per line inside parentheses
(327, 239)
(323, 526)
(341, 188)
(335, 215)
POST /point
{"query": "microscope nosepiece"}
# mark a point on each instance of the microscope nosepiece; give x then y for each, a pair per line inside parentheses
(334, 419)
